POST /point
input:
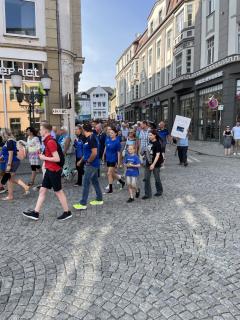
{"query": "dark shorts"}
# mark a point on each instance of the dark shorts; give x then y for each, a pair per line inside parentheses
(35, 167)
(111, 164)
(14, 166)
(52, 180)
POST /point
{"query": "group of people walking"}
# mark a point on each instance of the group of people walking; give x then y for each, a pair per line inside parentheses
(120, 147)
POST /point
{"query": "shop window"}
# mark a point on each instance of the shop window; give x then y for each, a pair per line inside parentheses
(210, 50)
(15, 125)
(20, 17)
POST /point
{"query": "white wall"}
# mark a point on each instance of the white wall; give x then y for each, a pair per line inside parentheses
(105, 99)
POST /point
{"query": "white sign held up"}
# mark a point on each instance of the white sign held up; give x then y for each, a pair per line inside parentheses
(180, 127)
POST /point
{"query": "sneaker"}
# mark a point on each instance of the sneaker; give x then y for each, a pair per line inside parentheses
(109, 192)
(234, 153)
(107, 187)
(65, 216)
(138, 193)
(158, 194)
(185, 164)
(31, 214)
(145, 198)
(130, 200)
(96, 203)
(79, 206)
(2, 190)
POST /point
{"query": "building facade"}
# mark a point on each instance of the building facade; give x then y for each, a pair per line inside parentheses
(99, 101)
(187, 58)
(113, 106)
(84, 103)
(38, 34)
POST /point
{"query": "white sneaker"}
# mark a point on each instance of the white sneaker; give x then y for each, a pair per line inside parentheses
(234, 153)
(107, 187)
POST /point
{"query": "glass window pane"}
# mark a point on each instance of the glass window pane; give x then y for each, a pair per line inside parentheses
(20, 17)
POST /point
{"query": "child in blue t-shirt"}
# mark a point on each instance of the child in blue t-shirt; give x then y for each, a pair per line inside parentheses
(132, 164)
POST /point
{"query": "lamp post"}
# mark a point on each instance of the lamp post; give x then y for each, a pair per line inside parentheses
(30, 98)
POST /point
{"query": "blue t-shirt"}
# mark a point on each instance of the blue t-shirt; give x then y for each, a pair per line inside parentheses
(133, 159)
(112, 149)
(91, 143)
(163, 134)
(78, 145)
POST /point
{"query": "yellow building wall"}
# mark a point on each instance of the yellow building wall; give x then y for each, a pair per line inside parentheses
(14, 111)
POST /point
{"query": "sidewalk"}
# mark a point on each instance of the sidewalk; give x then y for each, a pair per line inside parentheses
(206, 147)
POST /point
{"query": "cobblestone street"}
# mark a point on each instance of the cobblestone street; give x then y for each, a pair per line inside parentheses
(172, 258)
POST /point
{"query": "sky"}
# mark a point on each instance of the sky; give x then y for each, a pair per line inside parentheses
(108, 28)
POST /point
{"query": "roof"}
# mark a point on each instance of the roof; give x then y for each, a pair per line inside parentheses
(108, 89)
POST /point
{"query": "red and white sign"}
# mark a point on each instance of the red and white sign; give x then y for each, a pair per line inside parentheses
(213, 103)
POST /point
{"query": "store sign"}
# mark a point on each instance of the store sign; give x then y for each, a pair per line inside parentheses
(209, 78)
(60, 111)
(212, 103)
(25, 72)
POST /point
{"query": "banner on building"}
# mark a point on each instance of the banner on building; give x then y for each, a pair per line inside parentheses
(180, 127)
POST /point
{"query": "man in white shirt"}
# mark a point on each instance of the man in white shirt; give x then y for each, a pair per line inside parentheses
(236, 136)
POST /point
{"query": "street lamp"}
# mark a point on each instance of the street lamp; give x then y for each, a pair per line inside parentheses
(31, 98)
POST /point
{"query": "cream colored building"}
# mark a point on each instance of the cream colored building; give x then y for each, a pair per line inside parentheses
(38, 34)
(113, 106)
(188, 56)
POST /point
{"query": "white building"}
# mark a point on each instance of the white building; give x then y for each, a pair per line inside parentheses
(99, 97)
(84, 102)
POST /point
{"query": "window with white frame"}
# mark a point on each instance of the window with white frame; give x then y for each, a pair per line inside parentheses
(158, 53)
(169, 39)
(150, 86)
(189, 61)
(151, 27)
(189, 15)
(179, 23)
(158, 80)
(150, 57)
(210, 50)
(143, 88)
(168, 74)
(143, 63)
(160, 17)
(178, 61)
(210, 6)
(136, 66)
(20, 17)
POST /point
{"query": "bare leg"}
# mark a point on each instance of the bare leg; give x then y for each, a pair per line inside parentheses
(33, 177)
(10, 189)
(130, 190)
(110, 175)
(41, 199)
(63, 200)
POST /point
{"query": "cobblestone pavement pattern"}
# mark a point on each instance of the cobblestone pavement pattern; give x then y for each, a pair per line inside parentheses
(171, 258)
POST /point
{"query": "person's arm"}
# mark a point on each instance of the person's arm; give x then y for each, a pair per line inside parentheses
(55, 157)
(66, 145)
(119, 158)
(10, 159)
(155, 161)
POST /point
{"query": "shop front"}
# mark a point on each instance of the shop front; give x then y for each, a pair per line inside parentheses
(209, 115)
(187, 109)
(13, 115)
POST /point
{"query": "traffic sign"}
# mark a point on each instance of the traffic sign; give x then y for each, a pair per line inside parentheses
(220, 107)
(60, 111)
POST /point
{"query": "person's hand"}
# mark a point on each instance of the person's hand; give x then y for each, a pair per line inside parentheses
(8, 168)
(41, 156)
(79, 163)
(152, 166)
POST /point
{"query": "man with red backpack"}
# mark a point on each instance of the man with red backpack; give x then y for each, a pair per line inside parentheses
(53, 162)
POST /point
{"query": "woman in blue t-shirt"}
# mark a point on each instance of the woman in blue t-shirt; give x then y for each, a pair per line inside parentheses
(113, 158)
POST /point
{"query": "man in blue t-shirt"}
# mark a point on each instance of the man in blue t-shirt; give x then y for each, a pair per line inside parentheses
(92, 164)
